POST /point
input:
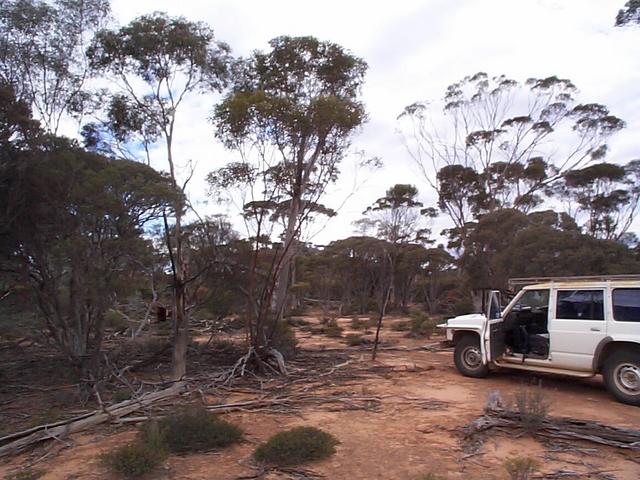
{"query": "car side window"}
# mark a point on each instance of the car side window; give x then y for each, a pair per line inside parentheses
(626, 304)
(580, 305)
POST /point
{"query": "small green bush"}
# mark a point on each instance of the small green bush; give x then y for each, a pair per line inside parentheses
(284, 340)
(297, 446)
(121, 395)
(115, 321)
(354, 340)
(224, 345)
(193, 430)
(531, 406)
(356, 323)
(372, 321)
(401, 326)
(133, 460)
(332, 329)
(430, 476)
(27, 474)
(521, 468)
(421, 324)
(297, 322)
(296, 311)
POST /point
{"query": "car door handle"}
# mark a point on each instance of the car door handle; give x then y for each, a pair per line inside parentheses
(595, 329)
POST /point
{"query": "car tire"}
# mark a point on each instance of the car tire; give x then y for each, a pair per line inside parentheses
(468, 357)
(622, 376)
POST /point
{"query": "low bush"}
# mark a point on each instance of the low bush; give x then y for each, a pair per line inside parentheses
(115, 321)
(135, 459)
(296, 446)
(284, 340)
(531, 406)
(430, 476)
(193, 430)
(224, 345)
(353, 340)
(356, 323)
(372, 321)
(27, 474)
(121, 395)
(332, 329)
(521, 468)
(297, 322)
(421, 324)
(401, 326)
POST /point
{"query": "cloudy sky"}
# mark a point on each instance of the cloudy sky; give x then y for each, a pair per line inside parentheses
(414, 50)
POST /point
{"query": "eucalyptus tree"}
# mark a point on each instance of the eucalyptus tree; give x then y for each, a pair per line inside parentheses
(42, 54)
(607, 194)
(290, 117)
(629, 14)
(397, 217)
(76, 234)
(157, 62)
(496, 143)
(508, 243)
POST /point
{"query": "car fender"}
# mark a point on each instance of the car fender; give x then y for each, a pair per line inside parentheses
(627, 339)
(473, 323)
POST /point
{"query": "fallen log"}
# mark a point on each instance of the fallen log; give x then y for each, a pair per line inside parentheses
(20, 441)
(562, 428)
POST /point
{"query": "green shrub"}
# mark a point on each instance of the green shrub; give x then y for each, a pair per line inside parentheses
(531, 406)
(353, 340)
(115, 321)
(332, 329)
(133, 460)
(296, 311)
(297, 446)
(27, 474)
(121, 395)
(224, 345)
(284, 340)
(521, 468)
(356, 323)
(372, 321)
(193, 430)
(421, 324)
(297, 322)
(401, 326)
(430, 476)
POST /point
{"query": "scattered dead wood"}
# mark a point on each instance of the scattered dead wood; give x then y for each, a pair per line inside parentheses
(558, 428)
(564, 473)
(284, 473)
(20, 441)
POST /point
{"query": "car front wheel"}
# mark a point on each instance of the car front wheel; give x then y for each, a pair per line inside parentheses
(622, 376)
(468, 357)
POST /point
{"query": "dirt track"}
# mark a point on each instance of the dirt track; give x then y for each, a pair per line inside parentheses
(400, 441)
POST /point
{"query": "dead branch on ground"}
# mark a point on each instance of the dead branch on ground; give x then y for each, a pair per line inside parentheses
(558, 428)
(20, 441)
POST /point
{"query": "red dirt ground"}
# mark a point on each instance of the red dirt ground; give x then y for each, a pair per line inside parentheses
(401, 441)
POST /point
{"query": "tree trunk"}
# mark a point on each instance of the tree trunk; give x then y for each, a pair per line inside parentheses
(283, 273)
(181, 320)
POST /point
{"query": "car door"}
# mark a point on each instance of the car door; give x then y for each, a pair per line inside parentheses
(495, 337)
(577, 326)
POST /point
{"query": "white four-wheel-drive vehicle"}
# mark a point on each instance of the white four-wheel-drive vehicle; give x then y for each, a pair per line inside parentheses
(578, 326)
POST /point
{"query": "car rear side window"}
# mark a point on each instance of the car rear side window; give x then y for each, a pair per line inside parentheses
(580, 305)
(626, 304)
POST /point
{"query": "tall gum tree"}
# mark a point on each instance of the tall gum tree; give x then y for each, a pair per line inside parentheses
(43, 54)
(291, 116)
(172, 58)
(496, 143)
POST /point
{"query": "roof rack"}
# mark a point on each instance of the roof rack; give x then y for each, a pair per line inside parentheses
(521, 282)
